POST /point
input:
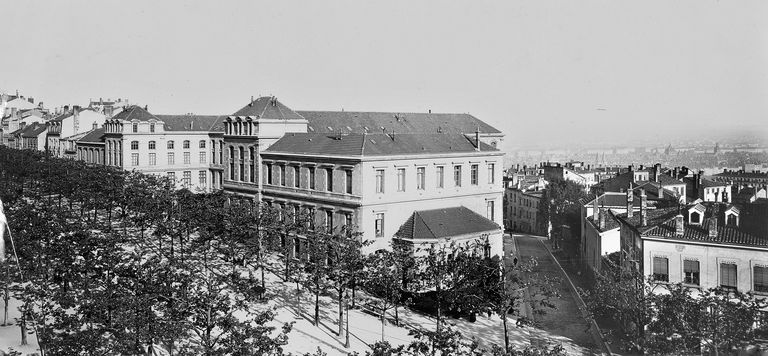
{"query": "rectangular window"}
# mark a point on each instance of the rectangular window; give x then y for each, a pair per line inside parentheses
(691, 272)
(134, 159)
(661, 269)
(401, 179)
(379, 181)
(135, 128)
(420, 181)
(491, 173)
(152, 159)
(348, 181)
(186, 179)
(151, 127)
(328, 221)
(329, 179)
(311, 174)
(282, 175)
(202, 156)
(473, 176)
(490, 207)
(348, 219)
(296, 177)
(457, 176)
(187, 158)
(760, 278)
(379, 227)
(203, 175)
(172, 176)
(440, 176)
(171, 158)
(269, 174)
(728, 275)
(134, 145)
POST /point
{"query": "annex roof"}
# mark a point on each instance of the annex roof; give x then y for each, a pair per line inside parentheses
(374, 144)
(134, 112)
(444, 223)
(93, 136)
(610, 221)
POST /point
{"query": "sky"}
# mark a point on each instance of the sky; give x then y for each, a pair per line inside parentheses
(546, 73)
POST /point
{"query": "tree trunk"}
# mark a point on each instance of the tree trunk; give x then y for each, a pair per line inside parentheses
(317, 306)
(383, 320)
(23, 326)
(397, 316)
(341, 312)
(506, 336)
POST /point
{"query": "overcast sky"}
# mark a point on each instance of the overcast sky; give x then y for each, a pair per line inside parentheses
(541, 71)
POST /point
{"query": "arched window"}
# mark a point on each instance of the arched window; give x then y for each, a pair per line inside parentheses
(202, 143)
(185, 144)
(134, 145)
(170, 145)
(151, 145)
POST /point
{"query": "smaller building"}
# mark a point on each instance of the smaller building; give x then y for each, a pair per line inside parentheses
(90, 147)
(521, 208)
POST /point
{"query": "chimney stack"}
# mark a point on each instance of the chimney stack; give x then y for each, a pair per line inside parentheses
(630, 201)
(712, 228)
(477, 139)
(594, 209)
(679, 228)
(601, 219)
(643, 208)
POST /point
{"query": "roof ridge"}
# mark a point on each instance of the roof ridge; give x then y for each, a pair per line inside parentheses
(429, 228)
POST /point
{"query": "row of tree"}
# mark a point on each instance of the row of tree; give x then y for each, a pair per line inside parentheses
(114, 262)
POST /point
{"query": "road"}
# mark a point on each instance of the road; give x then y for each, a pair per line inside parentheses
(566, 320)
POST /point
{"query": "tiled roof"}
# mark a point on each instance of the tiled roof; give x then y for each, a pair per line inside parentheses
(192, 122)
(374, 144)
(443, 223)
(134, 112)
(666, 180)
(33, 130)
(708, 183)
(742, 175)
(660, 223)
(93, 136)
(373, 122)
(612, 199)
(267, 107)
(610, 222)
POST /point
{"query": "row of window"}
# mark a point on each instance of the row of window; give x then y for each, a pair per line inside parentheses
(421, 177)
(171, 158)
(170, 144)
(279, 176)
(728, 274)
(186, 178)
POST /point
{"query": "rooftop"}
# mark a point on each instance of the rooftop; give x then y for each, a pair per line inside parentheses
(443, 223)
(93, 136)
(378, 122)
(192, 122)
(267, 107)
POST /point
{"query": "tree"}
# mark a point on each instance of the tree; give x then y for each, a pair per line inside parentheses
(316, 267)
(560, 206)
(382, 281)
(727, 319)
(345, 264)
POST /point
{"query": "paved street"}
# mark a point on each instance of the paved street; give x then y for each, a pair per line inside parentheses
(566, 320)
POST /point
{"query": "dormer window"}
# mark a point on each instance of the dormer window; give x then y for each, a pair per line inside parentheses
(732, 216)
(696, 214)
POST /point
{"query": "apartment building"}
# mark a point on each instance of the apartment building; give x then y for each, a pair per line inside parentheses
(418, 188)
(701, 245)
(71, 123)
(182, 147)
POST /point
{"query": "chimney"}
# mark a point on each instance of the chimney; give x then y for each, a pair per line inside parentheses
(679, 228)
(477, 139)
(594, 209)
(601, 219)
(76, 119)
(712, 228)
(630, 201)
(643, 208)
(31, 100)
(251, 103)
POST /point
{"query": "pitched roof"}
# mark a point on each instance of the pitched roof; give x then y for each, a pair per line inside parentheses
(610, 221)
(134, 112)
(93, 136)
(374, 144)
(611, 199)
(33, 130)
(708, 183)
(443, 223)
(376, 122)
(267, 107)
(660, 223)
(192, 122)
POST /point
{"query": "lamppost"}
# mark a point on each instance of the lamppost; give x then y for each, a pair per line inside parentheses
(346, 307)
